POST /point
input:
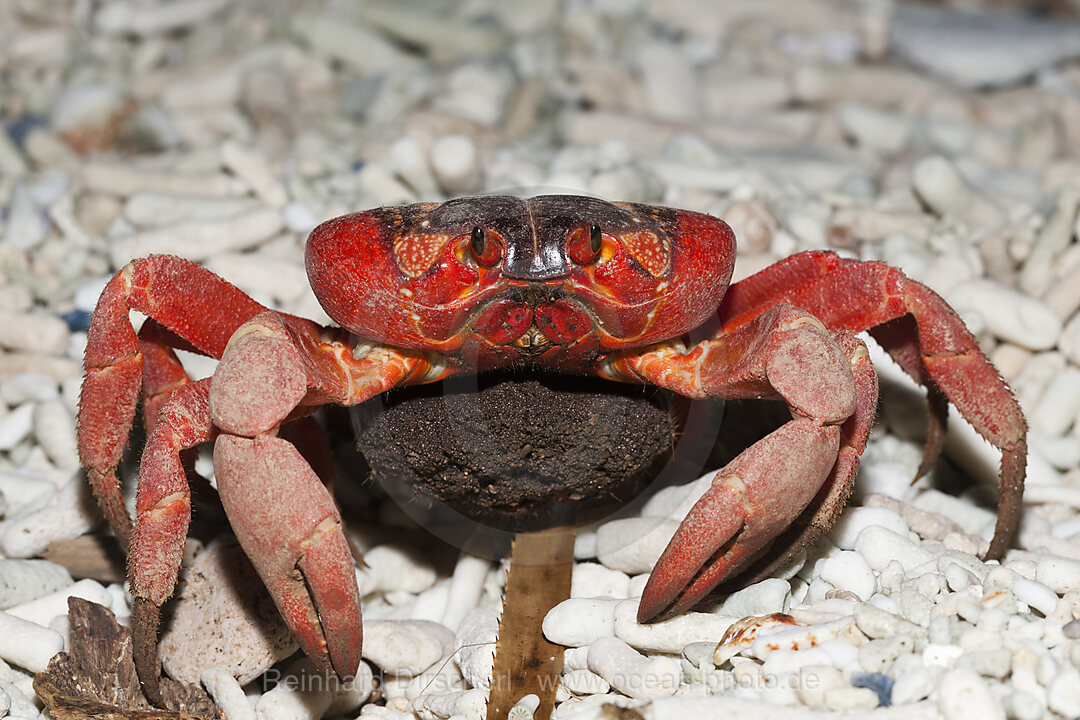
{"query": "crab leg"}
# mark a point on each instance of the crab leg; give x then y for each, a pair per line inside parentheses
(926, 337)
(272, 370)
(199, 306)
(163, 511)
(784, 353)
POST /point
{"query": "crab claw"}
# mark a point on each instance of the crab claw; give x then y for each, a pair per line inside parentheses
(290, 528)
(750, 502)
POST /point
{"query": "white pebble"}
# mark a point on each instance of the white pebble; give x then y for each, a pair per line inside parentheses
(19, 388)
(26, 226)
(54, 429)
(973, 519)
(595, 580)
(1059, 574)
(670, 636)
(63, 515)
(20, 488)
(847, 570)
(120, 18)
(406, 647)
(855, 519)
(347, 698)
(1060, 403)
(633, 545)
(914, 681)
(1009, 315)
(476, 640)
(410, 161)
(253, 168)
(432, 603)
(466, 588)
(24, 580)
(1038, 270)
(878, 655)
(585, 682)
(877, 623)
(27, 644)
(16, 425)
(20, 689)
(580, 621)
(289, 701)
(1063, 695)
(670, 82)
(631, 673)
(299, 218)
(156, 209)
(353, 44)
(460, 705)
(1070, 339)
(1061, 452)
(1035, 594)
(936, 181)
(125, 180)
(963, 695)
(198, 240)
(400, 568)
(936, 655)
(455, 161)
(761, 598)
(34, 332)
(850, 698)
(262, 275)
(43, 609)
(227, 694)
(873, 127)
(880, 546)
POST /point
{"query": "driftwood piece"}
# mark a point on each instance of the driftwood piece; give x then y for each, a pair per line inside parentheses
(96, 680)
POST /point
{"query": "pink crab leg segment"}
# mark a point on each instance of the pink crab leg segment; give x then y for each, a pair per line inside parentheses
(199, 306)
(301, 534)
(858, 296)
(273, 369)
(783, 353)
(162, 514)
(817, 518)
(163, 502)
(162, 371)
(750, 502)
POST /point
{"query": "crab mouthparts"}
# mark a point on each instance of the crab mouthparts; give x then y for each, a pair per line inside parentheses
(533, 323)
(532, 342)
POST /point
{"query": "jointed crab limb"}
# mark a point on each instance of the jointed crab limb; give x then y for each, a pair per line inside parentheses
(783, 353)
(198, 305)
(935, 345)
(297, 546)
(282, 514)
(821, 514)
(162, 371)
(162, 514)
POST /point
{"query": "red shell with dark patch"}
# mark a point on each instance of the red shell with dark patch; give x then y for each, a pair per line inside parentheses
(553, 280)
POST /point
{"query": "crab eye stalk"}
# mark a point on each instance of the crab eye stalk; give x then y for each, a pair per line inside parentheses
(584, 244)
(485, 251)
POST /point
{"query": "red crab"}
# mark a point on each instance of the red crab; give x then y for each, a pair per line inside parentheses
(567, 283)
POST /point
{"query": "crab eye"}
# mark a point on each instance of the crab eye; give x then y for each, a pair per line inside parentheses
(584, 245)
(484, 251)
